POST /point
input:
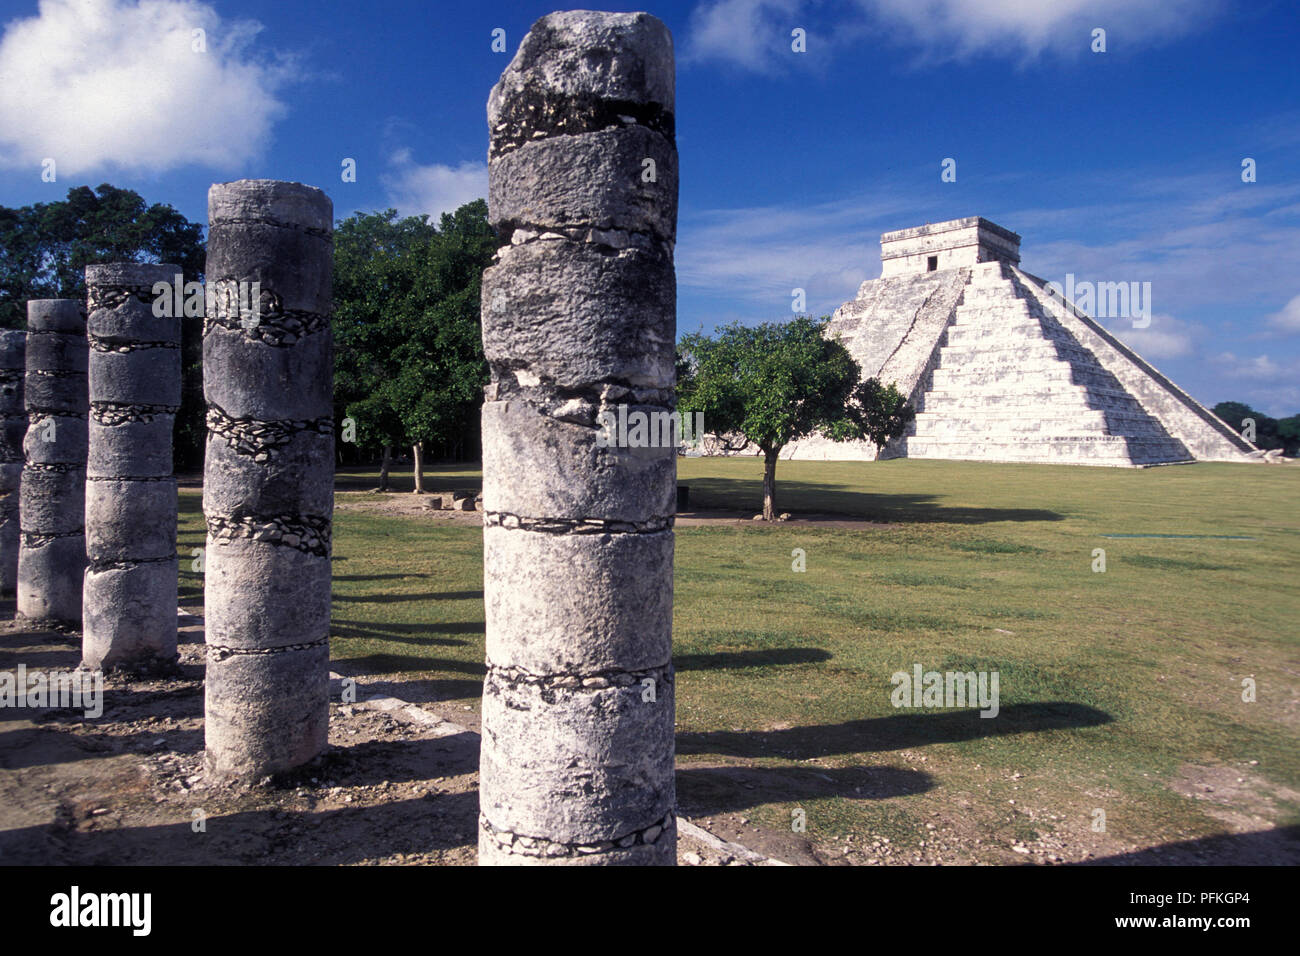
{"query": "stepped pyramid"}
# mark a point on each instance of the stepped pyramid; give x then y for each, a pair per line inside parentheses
(1000, 367)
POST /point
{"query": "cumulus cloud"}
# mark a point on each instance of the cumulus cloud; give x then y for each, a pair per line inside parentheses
(1031, 28)
(416, 189)
(1287, 318)
(746, 33)
(1164, 338)
(1259, 368)
(755, 34)
(115, 83)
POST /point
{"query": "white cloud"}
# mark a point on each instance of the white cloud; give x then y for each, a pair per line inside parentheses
(1288, 317)
(1030, 28)
(1164, 338)
(115, 83)
(1261, 368)
(747, 33)
(755, 34)
(434, 189)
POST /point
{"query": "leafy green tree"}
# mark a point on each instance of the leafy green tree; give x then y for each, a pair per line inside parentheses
(778, 382)
(1236, 414)
(44, 251)
(1288, 432)
(409, 365)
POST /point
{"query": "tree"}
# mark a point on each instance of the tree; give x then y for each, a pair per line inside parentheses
(409, 365)
(44, 251)
(1288, 432)
(1268, 433)
(778, 382)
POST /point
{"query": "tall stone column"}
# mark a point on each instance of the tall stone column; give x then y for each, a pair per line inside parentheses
(13, 426)
(130, 590)
(268, 483)
(52, 554)
(579, 318)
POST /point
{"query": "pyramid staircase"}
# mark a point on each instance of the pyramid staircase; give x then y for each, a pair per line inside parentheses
(1012, 384)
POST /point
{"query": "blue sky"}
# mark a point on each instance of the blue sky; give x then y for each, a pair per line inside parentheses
(1115, 166)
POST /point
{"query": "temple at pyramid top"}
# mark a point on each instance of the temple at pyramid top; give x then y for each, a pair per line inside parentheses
(947, 245)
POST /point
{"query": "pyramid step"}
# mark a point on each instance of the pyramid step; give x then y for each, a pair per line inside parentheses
(1086, 424)
(1083, 450)
(960, 379)
(975, 297)
(989, 273)
(1000, 314)
(1025, 391)
(1014, 350)
(1043, 416)
(962, 333)
(1027, 403)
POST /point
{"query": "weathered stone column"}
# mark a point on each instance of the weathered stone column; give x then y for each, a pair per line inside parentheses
(268, 483)
(52, 555)
(129, 595)
(13, 426)
(579, 317)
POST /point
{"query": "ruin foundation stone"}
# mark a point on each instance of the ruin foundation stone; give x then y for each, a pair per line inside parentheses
(129, 595)
(52, 553)
(579, 317)
(13, 426)
(268, 484)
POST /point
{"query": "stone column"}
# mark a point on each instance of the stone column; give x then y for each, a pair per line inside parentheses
(52, 555)
(268, 483)
(129, 595)
(13, 426)
(579, 318)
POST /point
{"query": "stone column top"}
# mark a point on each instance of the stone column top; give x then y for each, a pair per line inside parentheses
(580, 71)
(273, 203)
(56, 315)
(130, 273)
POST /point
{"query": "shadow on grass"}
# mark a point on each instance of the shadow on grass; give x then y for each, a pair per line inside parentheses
(438, 476)
(895, 732)
(709, 790)
(798, 496)
(1277, 847)
(384, 664)
(737, 659)
(406, 633)
(399, 598)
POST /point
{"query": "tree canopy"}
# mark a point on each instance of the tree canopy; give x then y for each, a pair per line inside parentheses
(409, 366)
(1283, 433)
(775, 383)
(44, 251)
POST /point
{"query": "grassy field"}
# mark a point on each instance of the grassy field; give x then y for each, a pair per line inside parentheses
(1119, 690)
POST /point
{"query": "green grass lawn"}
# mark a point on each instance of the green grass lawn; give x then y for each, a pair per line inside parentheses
(1111, 684)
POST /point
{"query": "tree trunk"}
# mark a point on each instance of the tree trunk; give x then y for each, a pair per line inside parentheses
(384, 466)
(419, 467)
(769, 485)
